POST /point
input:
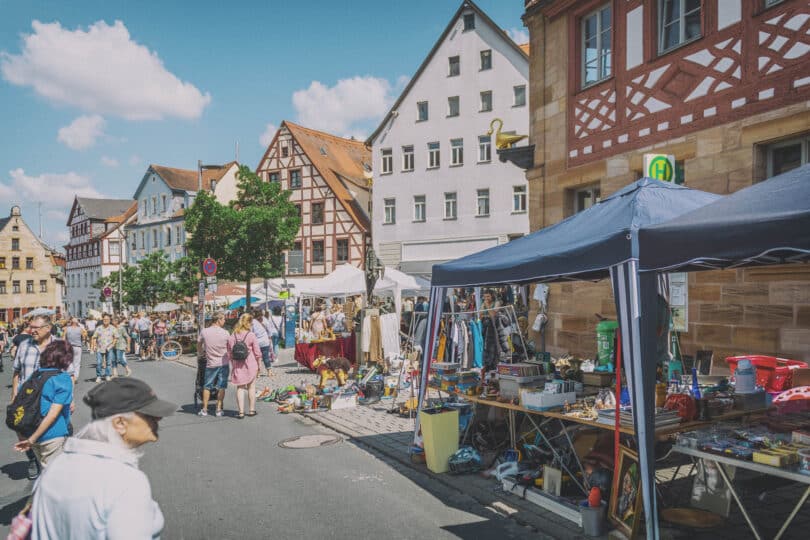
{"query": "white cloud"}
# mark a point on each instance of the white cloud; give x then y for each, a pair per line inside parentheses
(338, 109)
(56, 214)
(59, 238)
(82, 133)
(54, 190)
(267, 137)
(107, 161)
(100, 70)
(135, 159)
(518, 35)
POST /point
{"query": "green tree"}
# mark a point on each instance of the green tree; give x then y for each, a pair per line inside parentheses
(145, 284)
(184, 279)
(249, 235)
(128, 280)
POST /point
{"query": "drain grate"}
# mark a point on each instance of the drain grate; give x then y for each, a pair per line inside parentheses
(310, 441)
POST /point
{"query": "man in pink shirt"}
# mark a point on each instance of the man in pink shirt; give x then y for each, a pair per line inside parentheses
(214, 344)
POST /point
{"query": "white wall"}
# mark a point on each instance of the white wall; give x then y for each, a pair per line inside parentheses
(444, 238)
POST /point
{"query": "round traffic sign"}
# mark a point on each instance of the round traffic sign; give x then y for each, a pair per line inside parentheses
(209, 267)
(107, 292)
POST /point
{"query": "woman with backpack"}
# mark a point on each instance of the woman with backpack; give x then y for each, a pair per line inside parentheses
(54, 405)
(244, 352)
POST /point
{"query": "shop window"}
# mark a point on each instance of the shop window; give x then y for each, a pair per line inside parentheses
(596, 45)
(678, 23)
(787, 155)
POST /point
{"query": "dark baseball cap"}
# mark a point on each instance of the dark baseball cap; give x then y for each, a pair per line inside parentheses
(123, 395)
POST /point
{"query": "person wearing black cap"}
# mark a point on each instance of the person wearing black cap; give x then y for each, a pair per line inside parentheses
(95, 489)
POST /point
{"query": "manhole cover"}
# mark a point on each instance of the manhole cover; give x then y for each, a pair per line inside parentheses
(310, 441)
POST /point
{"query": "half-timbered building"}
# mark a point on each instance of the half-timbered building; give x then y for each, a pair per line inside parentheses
(721, 85)
(330, 180)
(97, 248)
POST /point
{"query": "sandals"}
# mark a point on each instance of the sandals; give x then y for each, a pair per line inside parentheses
(240, 416)
(252, 413)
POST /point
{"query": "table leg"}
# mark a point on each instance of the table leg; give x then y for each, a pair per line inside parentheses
(576, 457)
(727, 480)
(512, 436)
(793, 514)
(556, 455)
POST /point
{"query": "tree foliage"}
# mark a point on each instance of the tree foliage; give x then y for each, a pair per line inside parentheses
(153, 280)
(248, 236)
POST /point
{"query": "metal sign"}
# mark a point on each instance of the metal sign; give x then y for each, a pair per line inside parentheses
(210, 279)
(107, 292)
(659, 166)
(209, 267)
(201, 292)
(212, 287)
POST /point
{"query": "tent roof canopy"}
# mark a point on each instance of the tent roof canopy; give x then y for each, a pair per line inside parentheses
(767, 223)
(581, 247)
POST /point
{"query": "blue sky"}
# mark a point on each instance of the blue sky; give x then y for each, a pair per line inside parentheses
(91, 92)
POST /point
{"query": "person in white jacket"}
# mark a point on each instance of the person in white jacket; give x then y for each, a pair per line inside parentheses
(94, 489)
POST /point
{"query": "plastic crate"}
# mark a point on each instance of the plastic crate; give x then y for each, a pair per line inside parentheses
(773, 374)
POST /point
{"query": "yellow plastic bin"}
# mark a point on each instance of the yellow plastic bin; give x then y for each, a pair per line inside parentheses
(440, 435)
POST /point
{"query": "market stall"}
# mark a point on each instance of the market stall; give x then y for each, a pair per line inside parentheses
(594, 244)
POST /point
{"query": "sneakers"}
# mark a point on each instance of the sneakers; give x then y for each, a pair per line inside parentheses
(220, 413)
(107, 378)
(203, 412)
(33, 469)
(98, 379)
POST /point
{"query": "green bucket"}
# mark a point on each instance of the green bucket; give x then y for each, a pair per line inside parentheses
(605, 334)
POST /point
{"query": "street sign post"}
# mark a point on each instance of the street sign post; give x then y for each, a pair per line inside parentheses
(209, 267)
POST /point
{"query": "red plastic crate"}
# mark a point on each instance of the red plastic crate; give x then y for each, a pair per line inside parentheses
(773, 374)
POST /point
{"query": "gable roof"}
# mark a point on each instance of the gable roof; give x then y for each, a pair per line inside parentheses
(104, 208)
(342, 163)
(464, 5)
(187, 180)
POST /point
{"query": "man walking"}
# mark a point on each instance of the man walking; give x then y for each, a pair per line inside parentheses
(263, 338)
(103, 343)
(144, 334)
(75, 334)
(26, 362)
(213, 343)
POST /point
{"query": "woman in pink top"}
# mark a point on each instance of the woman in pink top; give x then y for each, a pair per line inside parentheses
(243, 374)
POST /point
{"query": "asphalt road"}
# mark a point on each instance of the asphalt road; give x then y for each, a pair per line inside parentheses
(223, 478)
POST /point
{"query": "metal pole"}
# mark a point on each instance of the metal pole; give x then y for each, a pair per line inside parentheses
(121, 246)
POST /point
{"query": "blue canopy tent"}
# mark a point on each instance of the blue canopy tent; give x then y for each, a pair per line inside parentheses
(767, 223)
(596, 243)
(242, 302)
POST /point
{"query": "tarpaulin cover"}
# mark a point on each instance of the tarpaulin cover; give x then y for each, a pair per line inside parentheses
(581, 247)
(767, 223)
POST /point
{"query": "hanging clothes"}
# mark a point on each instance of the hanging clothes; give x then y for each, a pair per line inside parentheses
(389, 326)
(503, 326)
(477, 344)
(372, 338)
(491, 347)
(419, 333)
(442, 342)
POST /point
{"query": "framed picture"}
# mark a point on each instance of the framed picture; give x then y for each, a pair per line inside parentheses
(625, 497)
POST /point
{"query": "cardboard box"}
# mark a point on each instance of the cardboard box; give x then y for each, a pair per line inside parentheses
(342, 401)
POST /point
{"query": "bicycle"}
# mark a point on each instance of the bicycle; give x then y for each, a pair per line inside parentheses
(148, 347)
(171, 350)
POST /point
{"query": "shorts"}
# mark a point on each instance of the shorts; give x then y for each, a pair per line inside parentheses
(145, 336)
(216, 378)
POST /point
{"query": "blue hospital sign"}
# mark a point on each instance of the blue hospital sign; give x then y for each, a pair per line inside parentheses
(659, 166)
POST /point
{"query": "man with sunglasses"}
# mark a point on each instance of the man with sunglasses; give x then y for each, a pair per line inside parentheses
(26, 362)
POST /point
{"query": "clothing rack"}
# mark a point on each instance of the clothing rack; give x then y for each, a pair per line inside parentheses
(510, 309)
